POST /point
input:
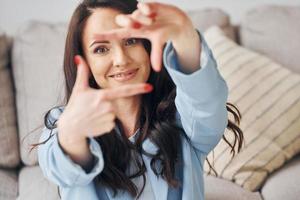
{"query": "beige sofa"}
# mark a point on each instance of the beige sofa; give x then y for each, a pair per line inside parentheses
(31, 82)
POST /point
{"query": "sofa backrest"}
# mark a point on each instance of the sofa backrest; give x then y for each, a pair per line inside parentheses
(9, 145)
(275, 32)
(37, 59)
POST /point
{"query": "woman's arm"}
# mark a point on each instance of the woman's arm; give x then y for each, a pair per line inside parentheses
(187, 45)
(78, 151)
(201, 97)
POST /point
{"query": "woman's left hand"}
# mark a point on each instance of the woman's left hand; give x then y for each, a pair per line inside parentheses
(159, 23)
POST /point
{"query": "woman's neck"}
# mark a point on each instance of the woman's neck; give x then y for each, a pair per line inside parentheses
(128, 112)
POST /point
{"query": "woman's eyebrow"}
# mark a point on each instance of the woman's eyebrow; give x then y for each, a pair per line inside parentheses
(99, 41)
(99, 38)
(102, 38)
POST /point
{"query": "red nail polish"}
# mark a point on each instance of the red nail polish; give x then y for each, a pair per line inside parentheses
(152, 15)
(77, 59)
(136, 25)
(148, 88)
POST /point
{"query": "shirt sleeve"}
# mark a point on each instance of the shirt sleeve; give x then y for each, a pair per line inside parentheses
(201, 98)
(59, 168)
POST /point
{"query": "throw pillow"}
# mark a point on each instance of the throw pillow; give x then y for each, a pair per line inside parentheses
(268, 97)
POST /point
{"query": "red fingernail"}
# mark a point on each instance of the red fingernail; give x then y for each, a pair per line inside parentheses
(136, 25)
(77, 59)
(148, 88)
(152, 15)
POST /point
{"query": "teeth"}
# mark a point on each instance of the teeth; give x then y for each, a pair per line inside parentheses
(122, 75)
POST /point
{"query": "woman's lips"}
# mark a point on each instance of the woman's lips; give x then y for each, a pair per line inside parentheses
(124, 76)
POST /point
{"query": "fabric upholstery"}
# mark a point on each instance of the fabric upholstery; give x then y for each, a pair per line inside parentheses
(9, 145)
(268, 96)
(8, 185)
(37, 67)
(274, 31)
(40, 188)
(217, 189)
(284, 183)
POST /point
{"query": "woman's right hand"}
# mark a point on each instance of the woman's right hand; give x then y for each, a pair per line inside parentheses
(90, 112)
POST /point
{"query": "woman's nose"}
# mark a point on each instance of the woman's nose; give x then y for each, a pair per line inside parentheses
(121, 57)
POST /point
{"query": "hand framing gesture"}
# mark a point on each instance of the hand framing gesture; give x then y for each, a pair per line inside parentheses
(90, 112)
(156, 22)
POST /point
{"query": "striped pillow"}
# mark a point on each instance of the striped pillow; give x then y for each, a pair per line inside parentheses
(268, 96)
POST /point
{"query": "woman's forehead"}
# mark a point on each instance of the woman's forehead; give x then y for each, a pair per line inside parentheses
(101, 20)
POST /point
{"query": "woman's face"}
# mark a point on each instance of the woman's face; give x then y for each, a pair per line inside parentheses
(113, 62)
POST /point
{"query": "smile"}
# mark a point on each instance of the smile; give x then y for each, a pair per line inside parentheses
(124, 76)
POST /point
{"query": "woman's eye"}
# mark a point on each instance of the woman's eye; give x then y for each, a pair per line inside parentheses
(131, 41)
(101, 50)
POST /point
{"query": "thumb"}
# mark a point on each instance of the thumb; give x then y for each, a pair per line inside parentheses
(83, 73)
(156, 55)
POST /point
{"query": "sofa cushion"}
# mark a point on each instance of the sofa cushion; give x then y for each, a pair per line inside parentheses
(274, 31)
(284, 183)
(9, 145)
(37, 188)
(268, 97)
(216, 189)
(8, 185)
(37, 67)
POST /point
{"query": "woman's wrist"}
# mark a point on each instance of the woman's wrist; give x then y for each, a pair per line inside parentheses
(68, 136)
(187, 45)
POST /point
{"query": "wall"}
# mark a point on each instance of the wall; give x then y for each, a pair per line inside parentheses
(14, 14)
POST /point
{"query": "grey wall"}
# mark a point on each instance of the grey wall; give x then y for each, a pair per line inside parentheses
(14, 14)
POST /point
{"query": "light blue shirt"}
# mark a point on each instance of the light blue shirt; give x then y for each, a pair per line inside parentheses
(201, 112)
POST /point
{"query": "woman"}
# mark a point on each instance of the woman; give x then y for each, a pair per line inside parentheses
(134, 126)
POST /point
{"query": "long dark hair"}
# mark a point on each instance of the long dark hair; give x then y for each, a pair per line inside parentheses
(157, 120)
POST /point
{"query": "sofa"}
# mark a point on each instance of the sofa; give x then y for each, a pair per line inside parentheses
(31, 82)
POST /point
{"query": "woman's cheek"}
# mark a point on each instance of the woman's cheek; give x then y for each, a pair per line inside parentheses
(100, 72)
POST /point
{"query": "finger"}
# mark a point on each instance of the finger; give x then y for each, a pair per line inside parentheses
(108, 117)
(141, 18)
(106, 107)
(109, 126)
(151, 9)
(126, 21)
(145, 8)
(126, 91)
(156, 55)
(104, 127)
(83, 73)
(122, 33)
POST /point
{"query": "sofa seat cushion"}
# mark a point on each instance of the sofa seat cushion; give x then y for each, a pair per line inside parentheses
(268, 97)
(8, 185)
(274, 31)
(33, 185)
(9, 145)
(284, 183)
(217, 189)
